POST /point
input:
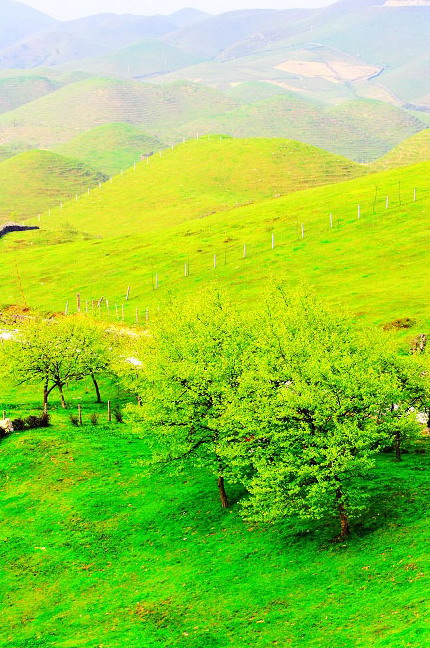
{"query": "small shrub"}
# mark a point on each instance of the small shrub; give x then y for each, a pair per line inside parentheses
(94, 418)
(74, 420)
(35, 422)
(118, 415)
(44, 420)
(18, 425)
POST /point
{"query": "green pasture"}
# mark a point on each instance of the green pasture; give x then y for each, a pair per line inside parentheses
(96, 553)
(137, 233)
(34, 181)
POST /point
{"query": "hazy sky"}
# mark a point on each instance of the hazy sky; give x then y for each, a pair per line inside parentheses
(66, 9)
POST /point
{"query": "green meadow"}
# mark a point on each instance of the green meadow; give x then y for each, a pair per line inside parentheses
(37, 180)
(97, 553)
(223, 195)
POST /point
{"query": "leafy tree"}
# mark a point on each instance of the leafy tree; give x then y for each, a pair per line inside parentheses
(54, 353)
(307, 418)
(409, 394)
(191, 363)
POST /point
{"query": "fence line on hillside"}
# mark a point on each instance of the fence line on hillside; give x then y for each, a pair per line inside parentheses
(287, 239)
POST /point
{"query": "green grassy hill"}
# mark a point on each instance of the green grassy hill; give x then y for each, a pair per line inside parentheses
(137, 61)
(18, 90)
(361, 130)
(96, 554)
(78, 107)
(111, 148)
(153, 221)
(34, 181)
(387, 125)
(203, 177)
(411, 151)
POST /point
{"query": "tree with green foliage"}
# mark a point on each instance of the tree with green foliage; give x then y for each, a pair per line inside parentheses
(191, 364)
(54, 353)
(409, 395)
(309, 415)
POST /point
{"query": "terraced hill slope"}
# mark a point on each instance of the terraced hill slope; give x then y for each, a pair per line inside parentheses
(111, 148)
(203, 177)
(361, 130)
(413, 150)
(372, 260)
(138, 61)
(32, 182)
(18, 90)
(80, 106)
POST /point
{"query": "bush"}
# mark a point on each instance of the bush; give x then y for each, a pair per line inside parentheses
(18, 425)
(118, 415)
(44, 420)
(35, 422)
(32, 422)
(94, 418)
(74, 420)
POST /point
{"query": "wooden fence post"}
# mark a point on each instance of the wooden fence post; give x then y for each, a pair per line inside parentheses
(80, 414)
(109, 412)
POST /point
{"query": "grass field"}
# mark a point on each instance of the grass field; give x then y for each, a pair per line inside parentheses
(111, 148)
(34, 181)
(95, 553)
(80, 106)
(413, 150)
(137, 236)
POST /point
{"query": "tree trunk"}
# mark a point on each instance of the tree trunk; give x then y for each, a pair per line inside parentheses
(96, 387)
(63, 400)
(222, 493)
(45, 398)
(343, 517)
(397, 442)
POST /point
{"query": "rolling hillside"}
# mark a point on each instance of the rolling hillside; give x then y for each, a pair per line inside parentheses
(411, 151)
(361, 130)
(80, 106)
(34, 181)
(47, 49)
(374, 264)
(203, 177)
(153, 561)
(112, 31)
(143, 59)
(111, 148)
(18, 21)
(215, 33)
(19, 90)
